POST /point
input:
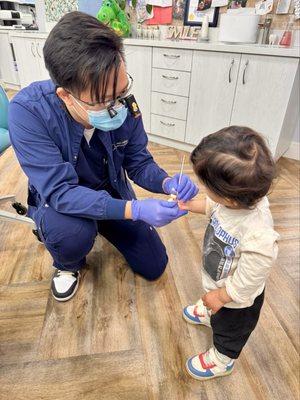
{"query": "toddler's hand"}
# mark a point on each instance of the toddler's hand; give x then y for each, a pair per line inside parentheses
(185, 205)
(214, 300)
(191, 205)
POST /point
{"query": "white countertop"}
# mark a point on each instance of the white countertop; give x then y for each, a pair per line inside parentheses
(192, 45)
(218, 46)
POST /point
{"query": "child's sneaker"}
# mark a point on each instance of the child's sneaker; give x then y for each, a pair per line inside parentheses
(207, 365)
(197, 314)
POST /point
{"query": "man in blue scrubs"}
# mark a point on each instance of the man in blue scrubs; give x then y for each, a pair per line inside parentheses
(76, 140)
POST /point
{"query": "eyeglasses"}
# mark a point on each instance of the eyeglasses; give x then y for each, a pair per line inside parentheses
(110, 103)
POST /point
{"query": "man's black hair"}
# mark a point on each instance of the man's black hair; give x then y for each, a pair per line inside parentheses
(80, 54)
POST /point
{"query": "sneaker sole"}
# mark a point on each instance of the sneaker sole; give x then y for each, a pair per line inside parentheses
(62, 299)
(208, 377)
(193, 322)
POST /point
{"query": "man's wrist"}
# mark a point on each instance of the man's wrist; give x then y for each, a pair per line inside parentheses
(128, 210)
(164, 183)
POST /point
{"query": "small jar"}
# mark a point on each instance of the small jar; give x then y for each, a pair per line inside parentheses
(286, 39)
(156, 33)
(139, 32)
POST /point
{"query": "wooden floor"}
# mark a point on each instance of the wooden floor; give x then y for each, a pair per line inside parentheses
(122, 337)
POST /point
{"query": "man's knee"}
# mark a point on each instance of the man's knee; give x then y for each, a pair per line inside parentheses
(69, 238)
(156, 268)
(75, 246)
(153, 259)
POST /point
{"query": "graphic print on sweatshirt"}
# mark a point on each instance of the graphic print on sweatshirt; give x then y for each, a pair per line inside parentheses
(218, 251)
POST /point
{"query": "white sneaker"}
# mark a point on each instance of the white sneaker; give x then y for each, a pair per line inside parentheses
(208, 366)
(197, 314)
(64, 284)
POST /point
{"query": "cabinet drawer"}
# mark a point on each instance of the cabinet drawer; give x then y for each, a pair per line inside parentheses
(169, 81)
(180, 60)
(169, 105)
(170, 128)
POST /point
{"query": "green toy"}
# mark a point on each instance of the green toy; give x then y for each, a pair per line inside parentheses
(112, 13)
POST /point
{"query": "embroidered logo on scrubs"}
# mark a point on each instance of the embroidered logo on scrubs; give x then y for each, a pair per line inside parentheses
(119, 144)
(219, 250)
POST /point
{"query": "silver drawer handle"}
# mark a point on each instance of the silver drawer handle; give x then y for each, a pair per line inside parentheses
(172, 55)
(31, 48)
(167, 123)
(229, 75)
(170, 77)
(169, 101)
(244, 72)
(37, 49)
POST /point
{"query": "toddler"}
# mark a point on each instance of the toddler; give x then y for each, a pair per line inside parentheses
(236, 170)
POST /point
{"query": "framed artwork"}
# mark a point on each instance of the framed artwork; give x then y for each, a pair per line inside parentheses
(55, 9)
(283, 6)
(195, 10)
(178, 10)
(237, 4)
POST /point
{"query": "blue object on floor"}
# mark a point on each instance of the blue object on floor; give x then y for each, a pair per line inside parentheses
(4, 136)
(4, 139)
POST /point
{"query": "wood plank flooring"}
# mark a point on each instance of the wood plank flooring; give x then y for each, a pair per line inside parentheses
(122, 337)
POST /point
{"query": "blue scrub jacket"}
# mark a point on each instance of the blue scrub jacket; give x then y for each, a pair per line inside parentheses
(46, 140)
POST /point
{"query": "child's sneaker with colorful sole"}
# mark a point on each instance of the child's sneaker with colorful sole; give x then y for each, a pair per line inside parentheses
(197, 314)
(207, 366)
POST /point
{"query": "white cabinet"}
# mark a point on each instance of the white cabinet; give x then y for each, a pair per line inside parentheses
(43, 73)
(169, 105)
(170, 81)
(264, 97)
(30, 61)
(178, 60)
(213, 83)
(170, 89)
(8, 72)
(187, 93)
(170, 128)
(138, 61)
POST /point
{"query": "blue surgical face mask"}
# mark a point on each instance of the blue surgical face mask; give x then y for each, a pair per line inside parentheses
(103, 121)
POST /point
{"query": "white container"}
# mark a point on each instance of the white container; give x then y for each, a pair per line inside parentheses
(238, 28)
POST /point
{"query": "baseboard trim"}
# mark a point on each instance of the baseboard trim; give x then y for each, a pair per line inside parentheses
(171, 143)
(293, 151)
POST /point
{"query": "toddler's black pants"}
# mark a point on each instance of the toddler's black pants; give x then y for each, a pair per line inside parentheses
(233, 326)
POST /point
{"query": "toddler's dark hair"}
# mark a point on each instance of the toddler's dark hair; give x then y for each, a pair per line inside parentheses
(235, 163)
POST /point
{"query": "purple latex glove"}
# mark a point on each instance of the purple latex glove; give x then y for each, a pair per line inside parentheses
(185, 191)
(155, 212)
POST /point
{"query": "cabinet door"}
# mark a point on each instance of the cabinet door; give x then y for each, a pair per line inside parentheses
(262, 94)
(27, 60)
(43, 73)
(7, 67)
(139, 60)
(212, 89)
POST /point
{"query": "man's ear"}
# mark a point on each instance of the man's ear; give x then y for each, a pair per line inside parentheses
(64, 96)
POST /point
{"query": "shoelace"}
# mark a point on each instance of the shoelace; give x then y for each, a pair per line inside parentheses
(59, 273)
(198, 314)
(206, 361)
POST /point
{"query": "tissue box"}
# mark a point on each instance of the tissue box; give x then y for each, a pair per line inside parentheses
(239, 26)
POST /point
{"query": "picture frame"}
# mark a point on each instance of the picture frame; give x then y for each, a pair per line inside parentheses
(195, 11)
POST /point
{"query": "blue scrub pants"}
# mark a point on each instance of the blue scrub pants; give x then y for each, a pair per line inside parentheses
(69, 239)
